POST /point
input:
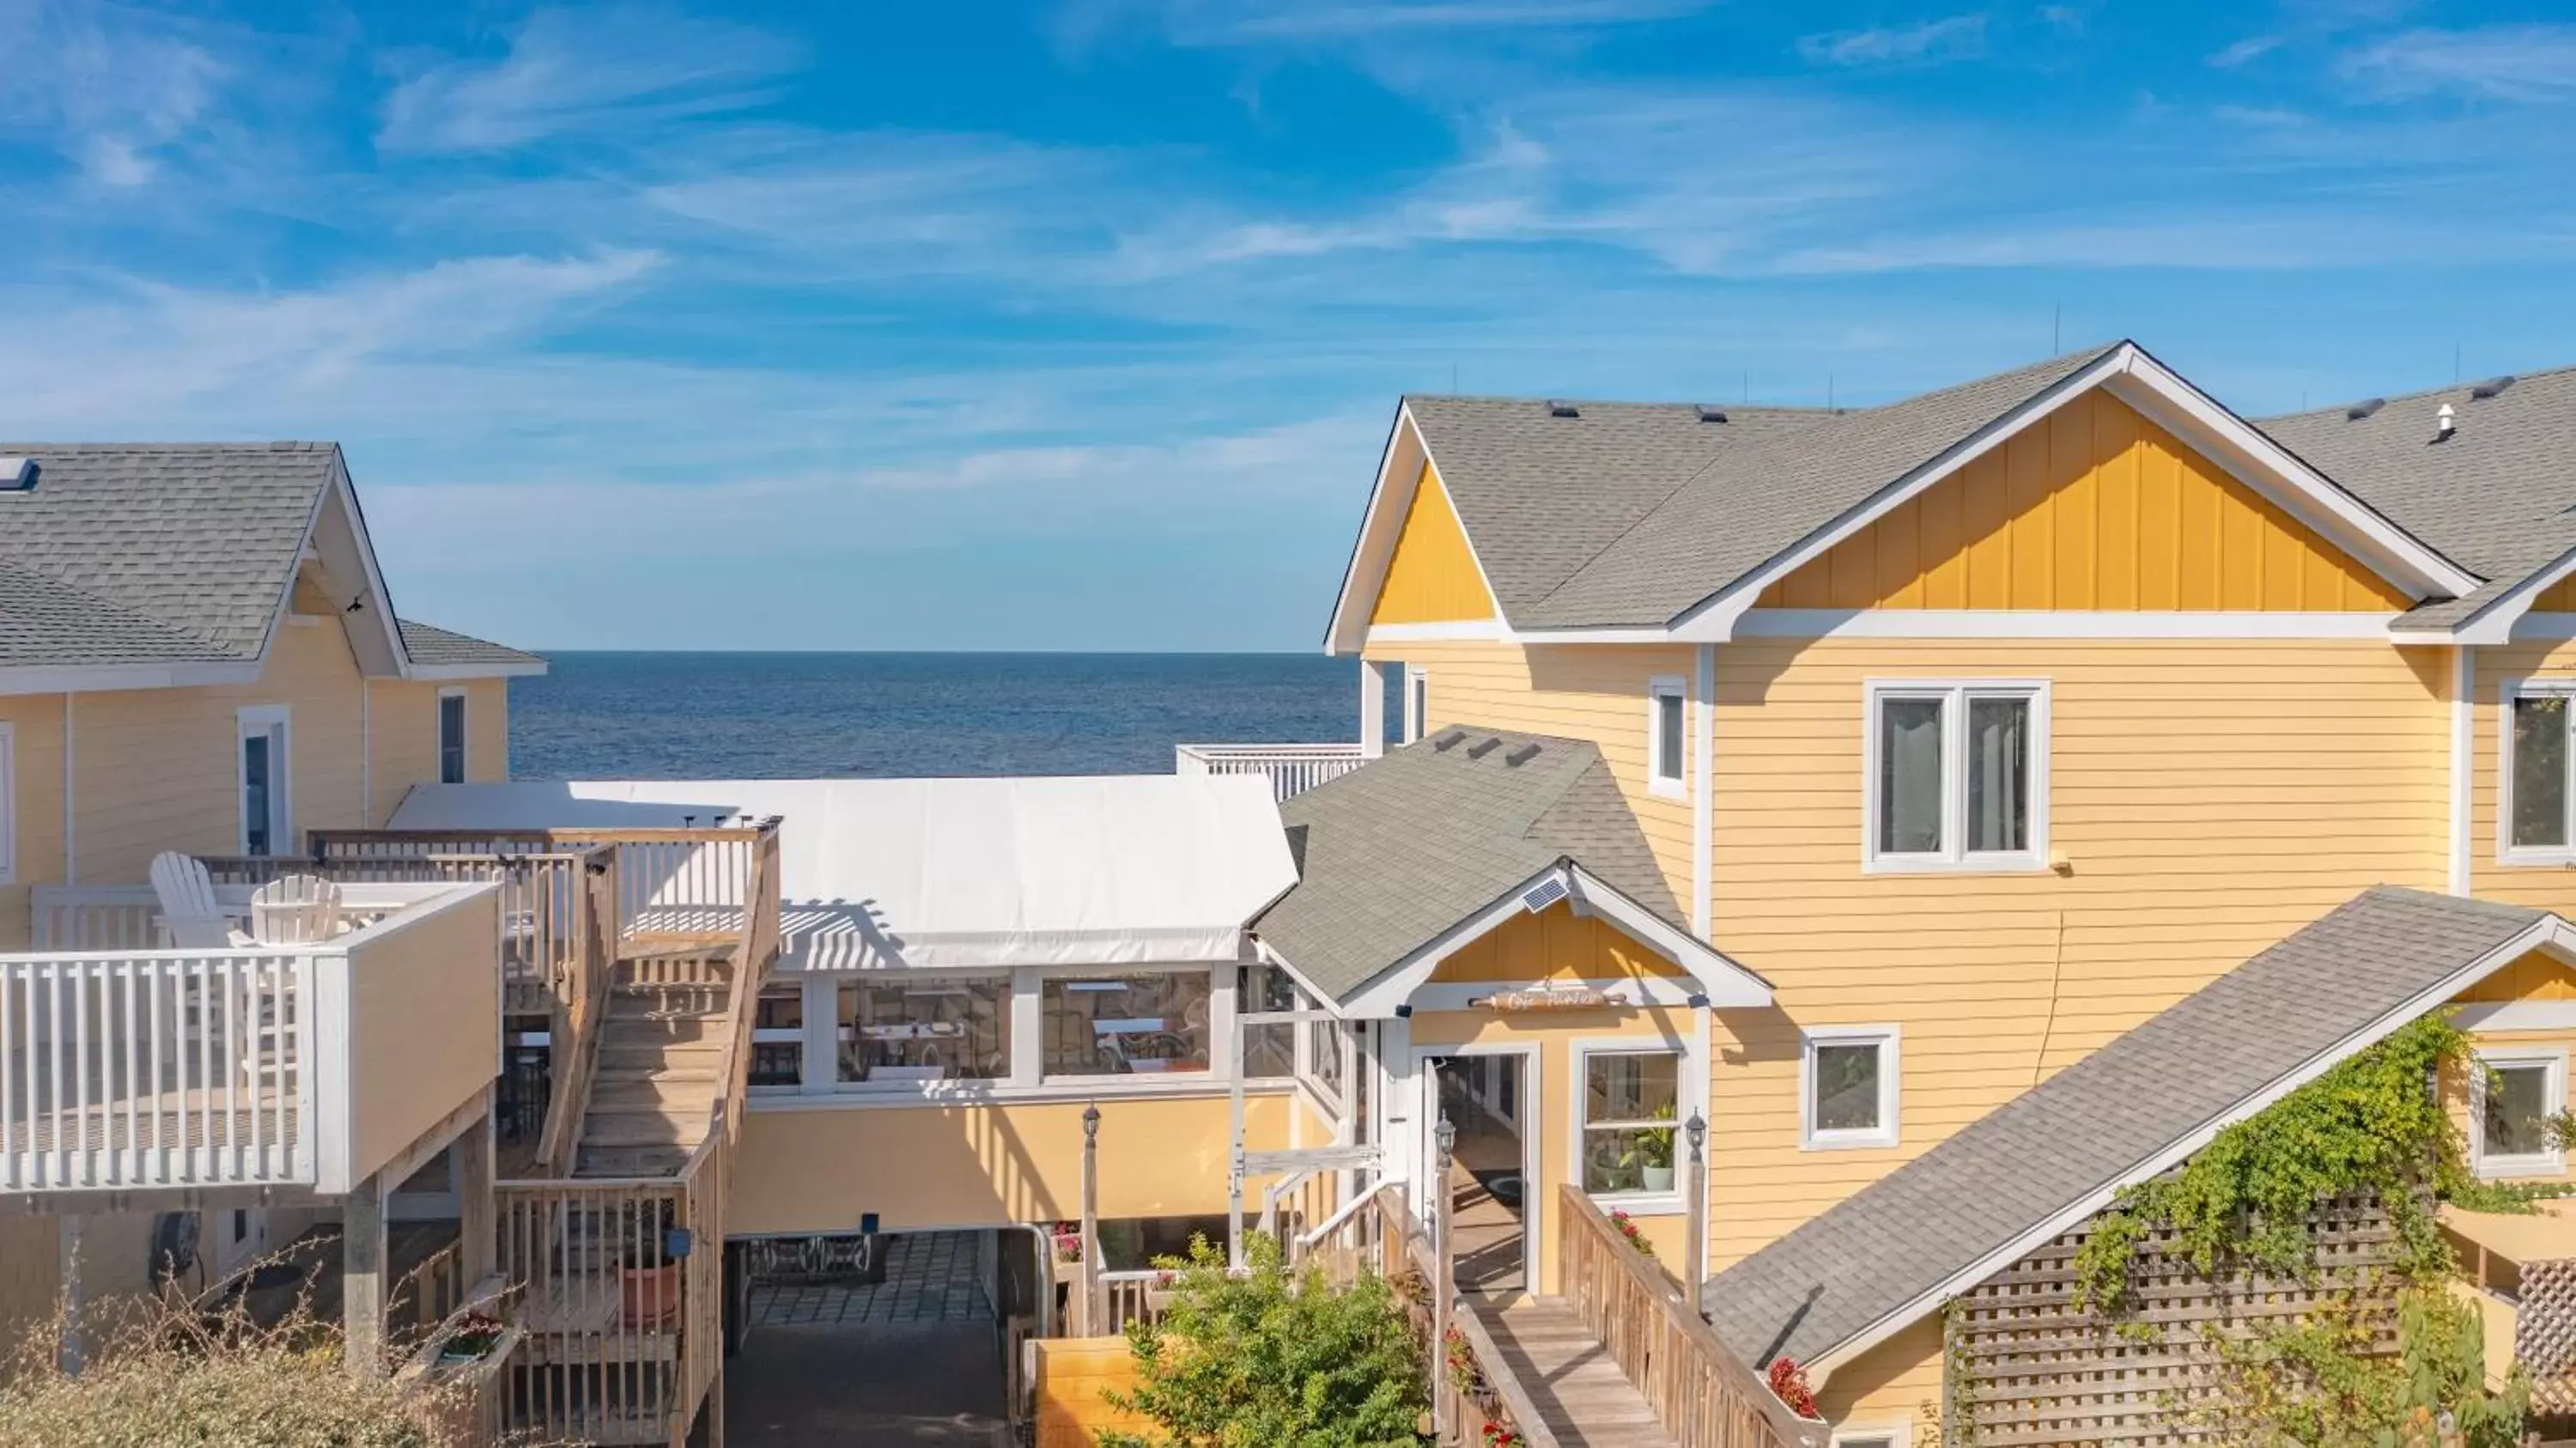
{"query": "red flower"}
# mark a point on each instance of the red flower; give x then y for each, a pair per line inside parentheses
(1789, 1385)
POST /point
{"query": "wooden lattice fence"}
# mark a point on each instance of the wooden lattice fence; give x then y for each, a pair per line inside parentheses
(2027, 1368)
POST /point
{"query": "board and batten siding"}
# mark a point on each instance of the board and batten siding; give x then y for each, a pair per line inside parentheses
(1591, 692)
(2093, 508)
(2209, 798)
(1432, 576)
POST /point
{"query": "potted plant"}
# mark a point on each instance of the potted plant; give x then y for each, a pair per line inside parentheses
(1789, 1384)
(1651, 1153)
(1067, 1237)
(1627, 1226)
(649, 1276)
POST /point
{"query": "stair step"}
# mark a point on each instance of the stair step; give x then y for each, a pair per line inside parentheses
(644, 1128)
(659, 1006)
(662, 1093)
(675, 1029)
(642, 1161)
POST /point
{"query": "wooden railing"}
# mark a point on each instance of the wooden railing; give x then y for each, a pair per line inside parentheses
(577, 1021)
(621, 1284)
(1702, 1394)
(1292, 769)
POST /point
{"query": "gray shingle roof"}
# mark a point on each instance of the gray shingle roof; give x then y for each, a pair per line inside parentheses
(2096, 1122)
(1396, 853)
(187, 548)
(2499, 497)
(428, 644)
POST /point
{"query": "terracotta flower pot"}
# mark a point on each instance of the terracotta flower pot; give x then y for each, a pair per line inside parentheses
(650, 1295)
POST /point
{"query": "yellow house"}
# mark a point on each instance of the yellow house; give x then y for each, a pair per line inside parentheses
(198, 654)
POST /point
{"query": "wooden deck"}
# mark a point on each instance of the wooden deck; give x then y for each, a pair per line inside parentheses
(1581, 1395)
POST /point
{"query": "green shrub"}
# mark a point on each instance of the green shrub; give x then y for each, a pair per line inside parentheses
(1274, 1359)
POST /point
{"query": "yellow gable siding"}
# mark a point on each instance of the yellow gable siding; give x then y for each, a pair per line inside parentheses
(2535, 977)
(1433, 576)
(2093, 508)
(2559, 597)
(1555, 944)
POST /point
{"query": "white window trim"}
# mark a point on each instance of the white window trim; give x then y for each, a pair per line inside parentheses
(250, 721)
(1658, 689)
(1895, 1435)
(1891, 1077)
(8, 803)
(1579, 1054)
(2507, 852)
(2540, 1164)
(1953, 856)
(1417, 702)
(465, 724)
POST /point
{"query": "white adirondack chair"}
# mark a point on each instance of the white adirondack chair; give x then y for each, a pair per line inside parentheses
(295, 910)
(188, 908)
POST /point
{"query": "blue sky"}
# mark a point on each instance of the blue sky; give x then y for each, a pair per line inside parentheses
(1080, 325)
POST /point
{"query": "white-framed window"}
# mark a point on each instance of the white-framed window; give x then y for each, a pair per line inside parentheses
(1417, 702)
(451, 736)
(2514, 1098)
(1667, 734)
(1627, 1116)
(1847, 1080)
(1895, 1436)
(264, 777)
(1956, 775)
(1131, 1022)
(2536, 823)
(8, 803)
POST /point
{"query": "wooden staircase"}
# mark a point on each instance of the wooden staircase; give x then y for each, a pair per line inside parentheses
(663, 1060)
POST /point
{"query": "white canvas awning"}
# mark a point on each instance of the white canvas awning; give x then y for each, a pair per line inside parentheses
(874, 873)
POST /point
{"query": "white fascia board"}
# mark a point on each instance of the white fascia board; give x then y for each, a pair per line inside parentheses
(1373, 547)
(1712, 620)
(2502, 619)
(1660, 991)
(2548, 933)
(2256, 460)
(1482, 630)
(112, 678)
(1729, 986)
(380, 600)
(1970, 623)
(445, 673)
(1394, 985)
(1641, 634)
(1263, 951)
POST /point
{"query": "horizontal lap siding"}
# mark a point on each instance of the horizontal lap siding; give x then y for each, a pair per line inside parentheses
(2547, 887)
(1896, 1384)
(404, 725)
(1592, 692)
(37, 807)
(157, 769)
(2212, 797)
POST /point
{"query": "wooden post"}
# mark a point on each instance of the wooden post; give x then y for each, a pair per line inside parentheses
(1444, 1288)
(1695, 1245)
(476, 1241)
(363, 1253)
(1090, 1311)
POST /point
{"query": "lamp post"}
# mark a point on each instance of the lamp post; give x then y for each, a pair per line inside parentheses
(1695, 1216)
(1092, 1307)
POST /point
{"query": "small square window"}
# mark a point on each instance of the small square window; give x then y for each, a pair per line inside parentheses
(2516, 1102)
(1847, 1090)
(1667, 732)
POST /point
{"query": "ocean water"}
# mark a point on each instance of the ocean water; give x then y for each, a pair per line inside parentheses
(786, 716)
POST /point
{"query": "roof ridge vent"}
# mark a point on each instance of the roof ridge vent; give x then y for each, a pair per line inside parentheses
(17, 475)
(2364, 408)
(2492, 387)
(1711, 414)
(1484, 746)
(1563, 409)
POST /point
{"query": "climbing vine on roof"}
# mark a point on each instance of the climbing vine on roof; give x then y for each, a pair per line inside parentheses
(2372, 1125)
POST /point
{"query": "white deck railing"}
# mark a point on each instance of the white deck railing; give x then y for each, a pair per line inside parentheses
(127, 1067)
(1293, 769)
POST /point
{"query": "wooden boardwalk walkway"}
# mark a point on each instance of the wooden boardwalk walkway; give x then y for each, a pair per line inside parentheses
(1581, 1395)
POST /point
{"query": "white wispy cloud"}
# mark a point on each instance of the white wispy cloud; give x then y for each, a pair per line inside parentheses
(109, 87)
(1254, 22)
(2249, 49)
(569, 72)
(2535, 62)
(1930, 42)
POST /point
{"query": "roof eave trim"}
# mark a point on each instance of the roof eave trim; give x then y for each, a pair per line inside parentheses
(2549, 933)
(1728, 985)
(2494, 622)
(450, 673)
(2136, 378)
(113, 678)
